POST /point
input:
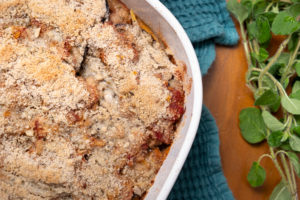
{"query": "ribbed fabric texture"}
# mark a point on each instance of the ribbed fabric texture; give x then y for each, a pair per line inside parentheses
(207, 23)
(202, 177)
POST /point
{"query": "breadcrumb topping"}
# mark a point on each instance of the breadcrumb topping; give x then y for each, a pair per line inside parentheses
(86, 101)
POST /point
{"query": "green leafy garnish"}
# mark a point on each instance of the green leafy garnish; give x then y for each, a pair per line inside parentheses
(296, 87)
(291, 105)
(257, 175)
(295, 95)
(272, 122)
(296, 130)
(270, 77)
(274, 139)
(252, 125)
(294, 10)
(285, 24)
(267, 98)
(295, 143)
(240, 11)
(263, 29)
(260, 29)
(281, 192)
(297, 67)
(262, 55)
(294, 159)
(286, 146)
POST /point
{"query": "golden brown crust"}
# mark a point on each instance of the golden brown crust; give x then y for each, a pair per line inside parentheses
(84, 104)
(119, 13)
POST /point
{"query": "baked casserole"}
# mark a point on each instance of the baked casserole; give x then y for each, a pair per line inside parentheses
(90, 100)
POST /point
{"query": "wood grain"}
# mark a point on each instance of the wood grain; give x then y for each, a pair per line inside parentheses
(225, 94)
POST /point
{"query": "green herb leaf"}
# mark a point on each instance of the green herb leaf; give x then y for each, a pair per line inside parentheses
(252, 31)
(293, 42)
(291, 105)
(295, 95)
(270, 15)
(262, 55)
(248, 4)
(275, 68)
(295, 91)
(285, 83)
(297, 68)
(263, 33)
(267, 98)
(260, 29)
(270, 97)
(294, 159)
(240, 11)
(274, 139)
(296, 130)
(275, 106)
(268, 83)
(281, 62)
(283, 58)
(285, 24)
(295, 142)
(257, 175)
(286, 146)
(259, 7)
(294, 10)
(296, 87)
(285, 137)
(297, 118)
(281, 192)
(272, 122)
(252, 125)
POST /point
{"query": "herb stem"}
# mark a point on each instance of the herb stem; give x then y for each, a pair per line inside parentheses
(275, 161)
(245, 44)
(286, 1)
(251, 46)
(280, 151)
(293, 174)
(263, 156)
(287, 172)
(269, 6)
(294, 180)
(290, 63)
(276, 82)
(251, 87)
(295, 121)
(290, 122)
(272, 61)
(256, 46)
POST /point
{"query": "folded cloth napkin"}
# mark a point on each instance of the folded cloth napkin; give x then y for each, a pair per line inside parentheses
(207, 23)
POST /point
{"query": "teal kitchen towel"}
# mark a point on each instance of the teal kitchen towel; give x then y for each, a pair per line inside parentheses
(207, 23)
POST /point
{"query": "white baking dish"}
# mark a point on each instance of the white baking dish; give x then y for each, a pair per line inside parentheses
(163, 23)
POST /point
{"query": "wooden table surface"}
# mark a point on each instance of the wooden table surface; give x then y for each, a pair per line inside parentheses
(225, 94)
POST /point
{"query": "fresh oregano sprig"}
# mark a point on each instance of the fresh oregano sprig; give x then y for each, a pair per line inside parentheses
(269, 77)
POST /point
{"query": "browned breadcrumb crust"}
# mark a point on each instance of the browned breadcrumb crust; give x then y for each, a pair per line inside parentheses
(85, 102)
